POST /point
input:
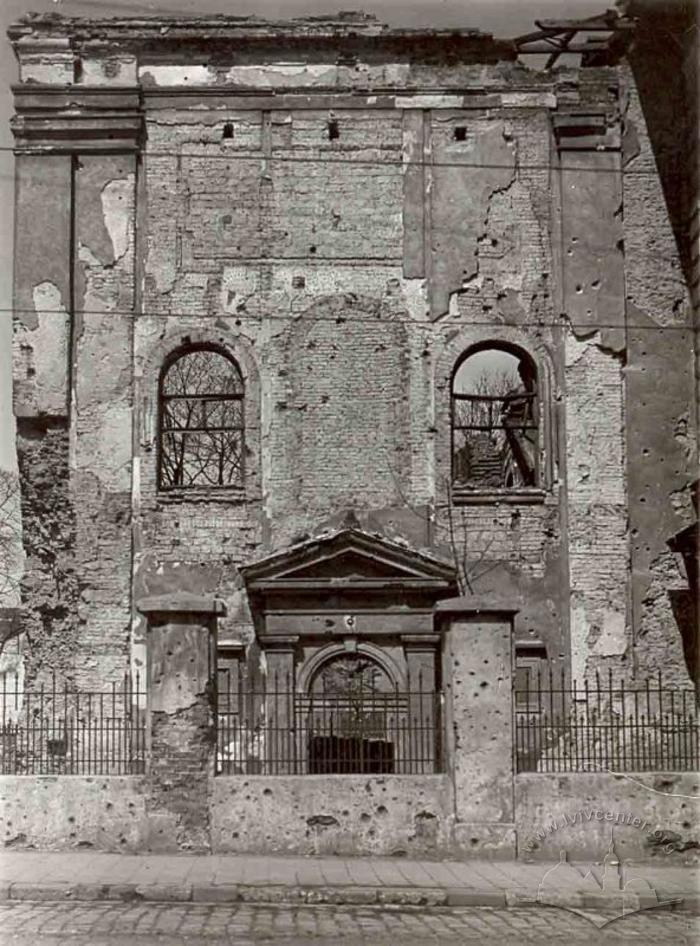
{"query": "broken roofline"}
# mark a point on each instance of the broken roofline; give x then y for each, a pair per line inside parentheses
(349, 34)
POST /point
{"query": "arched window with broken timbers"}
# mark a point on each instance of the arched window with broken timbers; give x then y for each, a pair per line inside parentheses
(201, 421)
(495, 423)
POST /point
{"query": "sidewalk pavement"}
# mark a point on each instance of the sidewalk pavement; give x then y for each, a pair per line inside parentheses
(86, 875)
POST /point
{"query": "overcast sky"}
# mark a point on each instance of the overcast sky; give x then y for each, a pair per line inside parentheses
(501, 17)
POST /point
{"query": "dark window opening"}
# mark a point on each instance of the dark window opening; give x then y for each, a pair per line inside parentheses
(530, 662)
(460, 133)
(494, 420)
(201, 422)
(333, 129)
(228, 130)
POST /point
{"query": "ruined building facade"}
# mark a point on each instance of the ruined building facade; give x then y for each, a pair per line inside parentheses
(323, 324)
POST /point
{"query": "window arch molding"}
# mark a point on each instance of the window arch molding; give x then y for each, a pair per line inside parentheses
(150, 368)
(201, 423)
(326, 655)
(514, 342)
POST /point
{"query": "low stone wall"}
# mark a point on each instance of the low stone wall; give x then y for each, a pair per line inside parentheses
(332, 814)
(648, 815)
(70, 811)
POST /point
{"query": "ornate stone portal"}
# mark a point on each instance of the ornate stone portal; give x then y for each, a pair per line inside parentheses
(349, 593)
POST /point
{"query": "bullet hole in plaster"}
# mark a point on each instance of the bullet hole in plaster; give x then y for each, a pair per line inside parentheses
(381, 810)
(312, 249)
(483, 684)
(333, 129)
(595, 284)
(579, 288)
(228, 130)
(226, 220)
(267, 791)
(460, 133)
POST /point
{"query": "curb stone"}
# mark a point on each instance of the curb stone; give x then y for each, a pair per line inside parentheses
(164, 893)
(465, 897)
(321, 894)
(216, 893)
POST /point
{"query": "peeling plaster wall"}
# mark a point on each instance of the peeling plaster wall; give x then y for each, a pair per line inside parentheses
(346, 291)
(336, 315)
(660, 430)
(597, 512)
(101, 446)
(73, 398)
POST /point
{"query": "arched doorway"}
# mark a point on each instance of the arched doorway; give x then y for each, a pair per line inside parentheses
(353, 715)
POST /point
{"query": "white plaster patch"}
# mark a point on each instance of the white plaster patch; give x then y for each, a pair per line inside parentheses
(273, 76)
(178, 75)
(237, 284)
(116, 208)
(579, 638)
(50, 345)
(429, 101)
(113, 70)
(107, 446)
(47, 71)
(612, 641)
(576, 348)
(161, 264)
(529, 99)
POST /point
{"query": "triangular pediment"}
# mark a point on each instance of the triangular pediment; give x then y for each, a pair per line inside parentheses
(348, 557)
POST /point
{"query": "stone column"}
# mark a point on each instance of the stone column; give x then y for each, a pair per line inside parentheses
(479, 725)
(420, 651)
(280, 736)
(181, 724)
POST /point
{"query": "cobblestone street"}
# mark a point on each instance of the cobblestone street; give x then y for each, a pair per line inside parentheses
(100, 924)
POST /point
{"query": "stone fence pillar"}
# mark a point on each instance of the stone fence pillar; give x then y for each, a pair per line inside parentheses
(477, 661)
(181, 724)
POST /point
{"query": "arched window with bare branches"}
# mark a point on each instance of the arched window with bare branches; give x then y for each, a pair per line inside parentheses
(495, 420)
(201, 442)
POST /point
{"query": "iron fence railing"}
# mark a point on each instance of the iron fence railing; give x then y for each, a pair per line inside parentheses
(603, 725)
(57, 729)
(278, 731)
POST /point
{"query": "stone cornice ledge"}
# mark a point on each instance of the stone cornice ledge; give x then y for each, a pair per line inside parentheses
(181, 602)
(476, 605)
(69, 118)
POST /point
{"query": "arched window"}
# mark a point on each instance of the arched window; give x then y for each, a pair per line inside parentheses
(201, 442)
(495, 420)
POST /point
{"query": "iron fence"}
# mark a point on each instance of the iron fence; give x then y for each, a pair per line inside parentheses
(276, 730)
(57, 729)
(603, 725)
